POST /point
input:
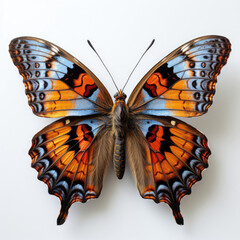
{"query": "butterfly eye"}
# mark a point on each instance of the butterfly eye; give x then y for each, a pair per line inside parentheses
(124, 95)
(115, 95)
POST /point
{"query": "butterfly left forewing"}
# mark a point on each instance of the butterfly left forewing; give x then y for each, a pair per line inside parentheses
(56, 83)
(168, 159)
(71, 156)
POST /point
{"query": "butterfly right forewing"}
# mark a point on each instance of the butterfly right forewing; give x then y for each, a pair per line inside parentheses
(183, 83)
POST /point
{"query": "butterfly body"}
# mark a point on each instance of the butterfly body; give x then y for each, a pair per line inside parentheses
(120, 124)
(166, 155)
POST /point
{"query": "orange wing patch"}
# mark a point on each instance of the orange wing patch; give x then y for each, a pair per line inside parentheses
(84, 85)
(156, 84)
(160, 81)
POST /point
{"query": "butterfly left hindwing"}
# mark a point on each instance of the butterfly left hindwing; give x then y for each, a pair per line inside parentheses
(71, 156)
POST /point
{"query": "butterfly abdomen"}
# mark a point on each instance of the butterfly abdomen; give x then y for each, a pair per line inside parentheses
(119, 156)
(120, 121)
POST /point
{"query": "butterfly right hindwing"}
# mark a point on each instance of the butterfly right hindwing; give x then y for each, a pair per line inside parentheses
(174, 156)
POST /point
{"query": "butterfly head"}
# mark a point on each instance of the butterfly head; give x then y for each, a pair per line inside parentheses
(120, 96)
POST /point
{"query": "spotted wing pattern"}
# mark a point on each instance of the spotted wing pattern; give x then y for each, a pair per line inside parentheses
(176, 155)
(71, 158)
(56, 83)
(183, 83)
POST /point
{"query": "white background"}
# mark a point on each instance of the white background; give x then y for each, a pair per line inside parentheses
(120, 31)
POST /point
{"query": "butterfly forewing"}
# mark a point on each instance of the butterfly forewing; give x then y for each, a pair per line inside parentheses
(183, 83)
(56, 83)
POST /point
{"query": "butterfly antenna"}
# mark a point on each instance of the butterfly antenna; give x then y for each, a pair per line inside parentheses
(138, 62)
(90, 44)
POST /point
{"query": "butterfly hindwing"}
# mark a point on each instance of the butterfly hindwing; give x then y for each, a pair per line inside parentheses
(71, 156)
(175, 155)
(56, 83)
(183, 83)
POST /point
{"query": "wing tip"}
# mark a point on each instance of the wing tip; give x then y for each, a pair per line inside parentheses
(62, 215)
(60, 221)
(178, 216)
(179, 221)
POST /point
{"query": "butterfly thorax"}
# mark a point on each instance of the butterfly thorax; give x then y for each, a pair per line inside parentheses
(119, 123)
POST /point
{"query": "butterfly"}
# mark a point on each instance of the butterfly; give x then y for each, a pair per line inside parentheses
(166, 155)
